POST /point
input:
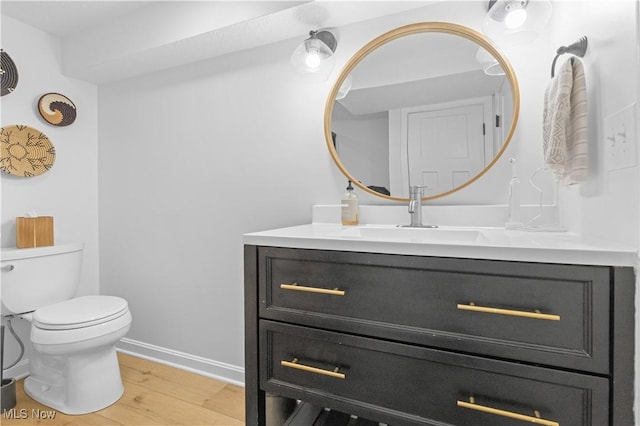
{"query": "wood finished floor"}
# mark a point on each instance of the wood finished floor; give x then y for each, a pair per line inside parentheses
(155, 394)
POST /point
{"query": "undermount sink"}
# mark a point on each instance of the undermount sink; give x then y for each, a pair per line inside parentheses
(418, 235)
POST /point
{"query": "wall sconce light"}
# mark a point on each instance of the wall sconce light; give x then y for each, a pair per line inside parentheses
(314, 58)
(512, 22)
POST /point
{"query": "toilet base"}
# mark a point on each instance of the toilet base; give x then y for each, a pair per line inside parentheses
(75, 384)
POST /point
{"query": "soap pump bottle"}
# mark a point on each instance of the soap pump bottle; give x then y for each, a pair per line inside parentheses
(513, 220)
(350, 207)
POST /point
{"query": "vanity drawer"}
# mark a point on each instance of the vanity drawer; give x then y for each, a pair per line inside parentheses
(404, 384)
(540, 313)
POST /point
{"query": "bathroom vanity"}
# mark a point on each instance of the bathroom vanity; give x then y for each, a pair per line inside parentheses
(448, 326)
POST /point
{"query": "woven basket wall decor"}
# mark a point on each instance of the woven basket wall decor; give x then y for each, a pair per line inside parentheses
(57, 109)
(8, 73)
(25, 151)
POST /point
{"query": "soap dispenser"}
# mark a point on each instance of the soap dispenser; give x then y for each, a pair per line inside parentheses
(513, 220)
(350, 207)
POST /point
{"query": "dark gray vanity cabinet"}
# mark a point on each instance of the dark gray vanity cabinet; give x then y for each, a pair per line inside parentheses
(413, 340)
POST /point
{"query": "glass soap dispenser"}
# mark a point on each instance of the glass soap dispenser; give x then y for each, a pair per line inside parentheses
(350, 207)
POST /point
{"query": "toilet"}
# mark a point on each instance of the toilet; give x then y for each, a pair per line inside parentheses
(73, 364)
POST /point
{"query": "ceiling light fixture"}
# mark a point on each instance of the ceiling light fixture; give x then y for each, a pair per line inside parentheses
(314, 58)
(512, 22)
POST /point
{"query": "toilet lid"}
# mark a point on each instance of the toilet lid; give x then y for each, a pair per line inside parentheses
(80, 312)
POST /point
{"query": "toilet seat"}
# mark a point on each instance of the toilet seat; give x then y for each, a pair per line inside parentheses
(60, 328)
(80, 312)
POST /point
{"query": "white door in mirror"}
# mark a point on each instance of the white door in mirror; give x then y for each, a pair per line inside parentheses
(445, 147)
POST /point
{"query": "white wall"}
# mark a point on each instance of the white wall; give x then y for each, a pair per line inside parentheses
(607, 205)
(363, 147)
(190, 159)
(69, 190)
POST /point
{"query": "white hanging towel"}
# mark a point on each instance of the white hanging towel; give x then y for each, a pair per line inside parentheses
(565, 124)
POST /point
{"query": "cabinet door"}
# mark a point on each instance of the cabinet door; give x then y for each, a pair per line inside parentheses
(404, 384)
(549, 314)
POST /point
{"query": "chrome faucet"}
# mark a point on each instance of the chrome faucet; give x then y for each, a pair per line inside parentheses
(415, 207)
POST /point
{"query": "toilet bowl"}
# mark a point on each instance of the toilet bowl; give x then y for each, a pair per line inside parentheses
(73, 363)
(74, 367)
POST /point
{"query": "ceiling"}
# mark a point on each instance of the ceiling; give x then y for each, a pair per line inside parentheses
(65, 18)
(105, 41)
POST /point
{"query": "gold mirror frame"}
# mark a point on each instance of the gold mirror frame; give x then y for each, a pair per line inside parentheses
(417, 28)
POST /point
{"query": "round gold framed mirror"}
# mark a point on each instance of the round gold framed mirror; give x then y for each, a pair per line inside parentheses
(433, 104)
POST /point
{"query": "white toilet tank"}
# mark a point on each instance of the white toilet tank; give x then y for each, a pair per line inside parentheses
(36, 277)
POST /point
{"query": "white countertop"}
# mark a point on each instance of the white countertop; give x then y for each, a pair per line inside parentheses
(460, 242)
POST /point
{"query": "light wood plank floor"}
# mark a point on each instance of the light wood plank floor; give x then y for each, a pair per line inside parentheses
(155, 394)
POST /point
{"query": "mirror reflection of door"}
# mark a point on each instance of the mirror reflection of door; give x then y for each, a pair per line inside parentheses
(442, 146)
(446, 146)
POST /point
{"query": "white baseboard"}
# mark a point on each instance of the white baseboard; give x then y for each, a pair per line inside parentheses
(218, 370)
(206, 367)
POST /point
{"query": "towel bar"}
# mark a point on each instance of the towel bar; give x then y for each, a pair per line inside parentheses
(579, 48)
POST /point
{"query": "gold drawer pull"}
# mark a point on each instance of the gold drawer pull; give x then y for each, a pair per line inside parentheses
(295, 286)
(537, 420)
(536, 314)
(296, 365)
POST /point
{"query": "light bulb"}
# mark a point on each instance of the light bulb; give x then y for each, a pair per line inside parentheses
(312, 59)
(515, 18)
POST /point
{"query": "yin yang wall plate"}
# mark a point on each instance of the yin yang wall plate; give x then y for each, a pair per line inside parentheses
(25, 151)
(57, 109)
(8, 74)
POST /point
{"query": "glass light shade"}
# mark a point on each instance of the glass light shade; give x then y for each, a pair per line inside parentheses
(344, 88)
(313, 59)
(488, 63)
(516, 22)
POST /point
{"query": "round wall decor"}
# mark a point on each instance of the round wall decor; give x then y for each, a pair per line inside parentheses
(57, 109)
(25, 151)
(8, 74)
